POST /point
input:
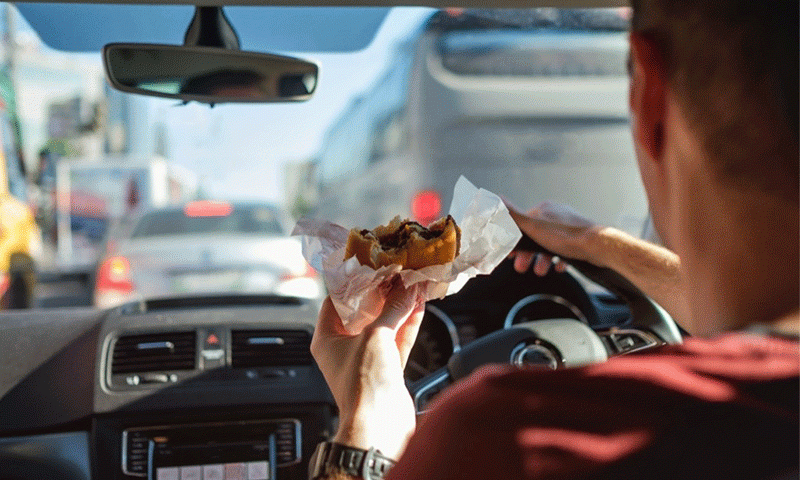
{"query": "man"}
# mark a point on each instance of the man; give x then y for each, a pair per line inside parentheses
(713, 98)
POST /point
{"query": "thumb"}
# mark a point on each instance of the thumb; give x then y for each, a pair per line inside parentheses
(523, 221)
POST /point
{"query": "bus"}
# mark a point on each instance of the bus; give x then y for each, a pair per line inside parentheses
(515, 108)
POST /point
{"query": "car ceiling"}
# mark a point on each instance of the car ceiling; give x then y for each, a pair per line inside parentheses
(87, 27)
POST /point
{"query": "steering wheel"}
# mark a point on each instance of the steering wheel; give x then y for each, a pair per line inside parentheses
(560, 342)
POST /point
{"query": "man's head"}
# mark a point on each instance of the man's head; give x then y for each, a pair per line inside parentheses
(714, 105)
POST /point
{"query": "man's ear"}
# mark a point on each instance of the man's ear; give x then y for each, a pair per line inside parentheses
(647, 95)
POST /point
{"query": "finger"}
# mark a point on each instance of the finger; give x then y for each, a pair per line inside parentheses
(329, 327)
(542, 264)
(560, 266)
(329, 323)
(407, 333)
(522, 261)
(399, 304)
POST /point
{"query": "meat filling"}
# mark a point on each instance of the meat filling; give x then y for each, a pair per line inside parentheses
(402, 235)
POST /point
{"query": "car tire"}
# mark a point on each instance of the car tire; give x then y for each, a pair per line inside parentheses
(21, 284)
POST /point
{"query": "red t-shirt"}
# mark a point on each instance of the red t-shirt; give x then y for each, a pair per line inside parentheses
(725, 408)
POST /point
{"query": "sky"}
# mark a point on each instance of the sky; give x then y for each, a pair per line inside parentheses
(239, 150)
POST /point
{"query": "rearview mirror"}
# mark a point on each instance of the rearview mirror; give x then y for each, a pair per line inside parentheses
(208, 74)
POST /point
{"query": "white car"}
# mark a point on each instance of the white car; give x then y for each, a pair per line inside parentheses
(205, 247)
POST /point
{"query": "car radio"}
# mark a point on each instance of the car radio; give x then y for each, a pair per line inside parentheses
(248, 450)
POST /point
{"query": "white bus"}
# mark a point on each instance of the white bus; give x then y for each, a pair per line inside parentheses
(520, 107)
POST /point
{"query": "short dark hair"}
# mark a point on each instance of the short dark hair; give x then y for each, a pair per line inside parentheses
(734, 67)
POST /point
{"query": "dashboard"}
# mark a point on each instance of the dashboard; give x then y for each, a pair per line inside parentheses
(216, 387)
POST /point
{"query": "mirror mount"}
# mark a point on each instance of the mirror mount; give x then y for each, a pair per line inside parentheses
(210, 27)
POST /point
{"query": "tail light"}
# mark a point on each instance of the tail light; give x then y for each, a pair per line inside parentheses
(305, 284)
(308, 272)
(113, 285)
(426, 206)
(5, 282)
(207, 208)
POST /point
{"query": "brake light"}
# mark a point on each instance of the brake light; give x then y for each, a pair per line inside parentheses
(207, 208)
(114, 275)
(308, 272)
(5, 282)
(304, 284)
(426, 206)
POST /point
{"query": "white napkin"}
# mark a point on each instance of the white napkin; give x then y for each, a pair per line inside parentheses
(488, 234)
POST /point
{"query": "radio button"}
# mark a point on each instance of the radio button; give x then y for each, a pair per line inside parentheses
(192, 473)
(258, 471)
(214, 472)
(235, 471)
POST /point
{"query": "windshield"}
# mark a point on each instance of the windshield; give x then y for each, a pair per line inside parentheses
(529, 104)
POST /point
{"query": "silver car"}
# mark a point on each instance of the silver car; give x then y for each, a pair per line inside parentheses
(201, 248)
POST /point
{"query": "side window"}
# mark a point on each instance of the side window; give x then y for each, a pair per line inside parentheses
(16, 178)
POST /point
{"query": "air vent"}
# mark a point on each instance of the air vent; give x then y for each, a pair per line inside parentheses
(270, 348)
(154, 352)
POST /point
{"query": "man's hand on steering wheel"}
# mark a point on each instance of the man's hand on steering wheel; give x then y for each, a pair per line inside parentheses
(557, 228)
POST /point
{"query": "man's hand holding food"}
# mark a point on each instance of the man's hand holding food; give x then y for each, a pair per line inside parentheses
(365, 372)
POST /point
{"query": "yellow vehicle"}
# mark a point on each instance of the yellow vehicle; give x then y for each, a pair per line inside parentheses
(20, 239)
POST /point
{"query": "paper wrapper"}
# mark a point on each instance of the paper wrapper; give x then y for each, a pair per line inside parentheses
(488, 234)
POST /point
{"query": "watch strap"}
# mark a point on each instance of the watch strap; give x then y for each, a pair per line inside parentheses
(330, 457)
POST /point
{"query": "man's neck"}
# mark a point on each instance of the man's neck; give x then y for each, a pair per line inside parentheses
(745, 260)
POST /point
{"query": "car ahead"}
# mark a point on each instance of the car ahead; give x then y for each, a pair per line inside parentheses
(204, 247)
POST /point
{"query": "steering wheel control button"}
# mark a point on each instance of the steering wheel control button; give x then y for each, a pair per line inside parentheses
(622, 341)
(535, 355)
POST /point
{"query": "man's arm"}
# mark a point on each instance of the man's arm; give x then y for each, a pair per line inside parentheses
(653, 269)
(364, 371)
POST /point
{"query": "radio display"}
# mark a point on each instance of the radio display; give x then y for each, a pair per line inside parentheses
(247, 450)
(213, 460)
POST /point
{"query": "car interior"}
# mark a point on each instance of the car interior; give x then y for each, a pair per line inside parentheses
(224, 385)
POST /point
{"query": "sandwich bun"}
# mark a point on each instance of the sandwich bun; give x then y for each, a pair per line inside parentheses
(405, 243)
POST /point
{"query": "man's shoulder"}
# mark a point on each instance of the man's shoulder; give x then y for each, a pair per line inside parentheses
(731, 359)
(707, 405)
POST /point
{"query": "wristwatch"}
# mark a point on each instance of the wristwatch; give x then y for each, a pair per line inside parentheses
(330, 457)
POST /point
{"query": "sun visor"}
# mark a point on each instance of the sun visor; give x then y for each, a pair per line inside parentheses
(87, 28)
